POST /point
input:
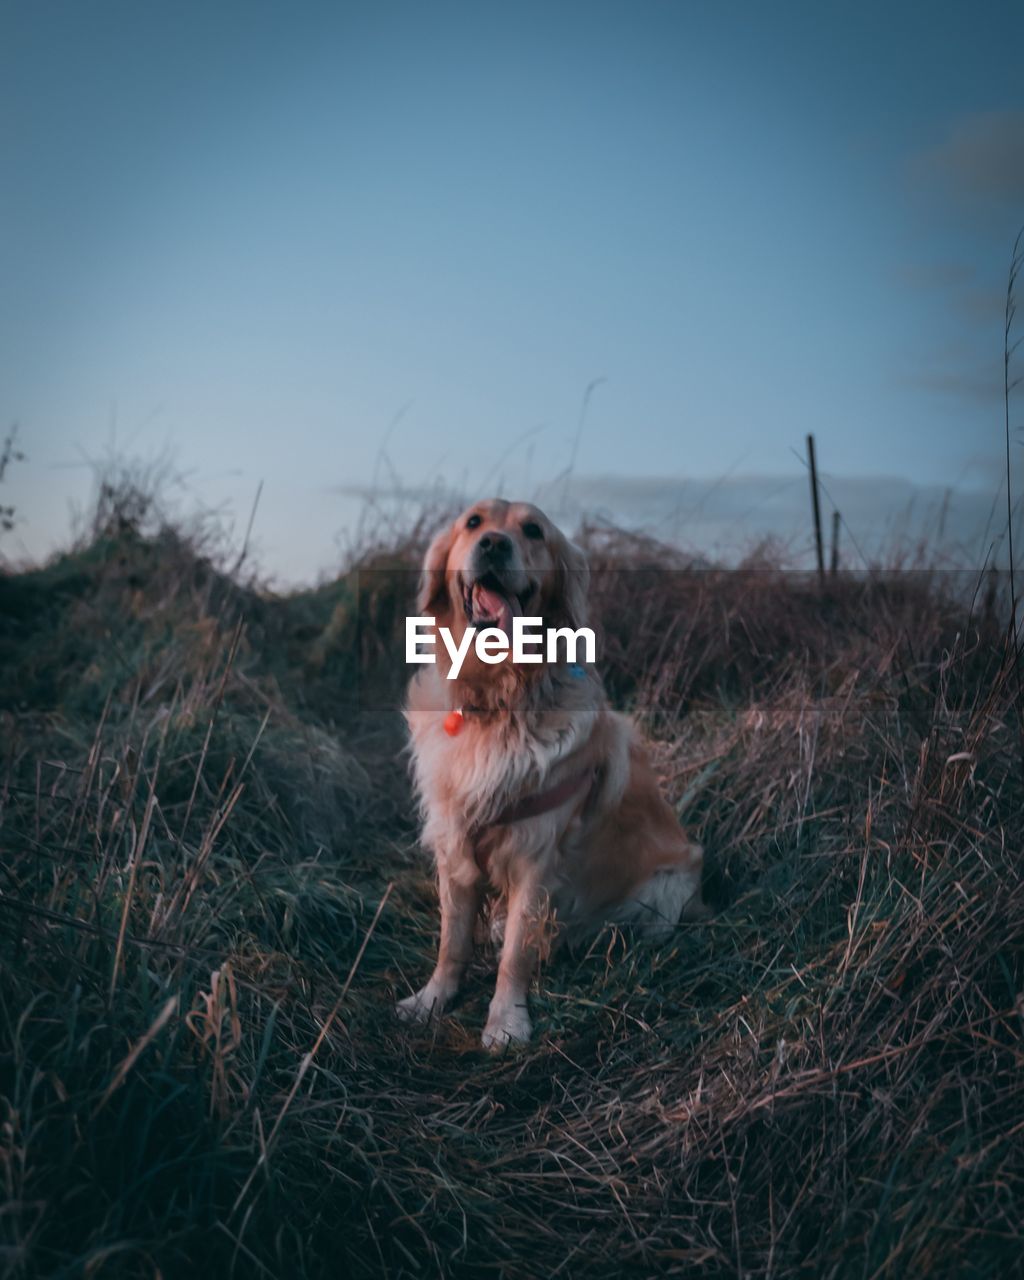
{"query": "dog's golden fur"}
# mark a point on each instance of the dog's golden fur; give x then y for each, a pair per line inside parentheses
(612, 849)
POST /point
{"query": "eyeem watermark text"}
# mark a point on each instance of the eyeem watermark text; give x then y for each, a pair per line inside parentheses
(529, 643)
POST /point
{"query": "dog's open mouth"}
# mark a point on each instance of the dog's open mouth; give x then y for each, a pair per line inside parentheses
(488, 603)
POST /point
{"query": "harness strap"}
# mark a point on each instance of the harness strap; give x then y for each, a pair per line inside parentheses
(532, 806)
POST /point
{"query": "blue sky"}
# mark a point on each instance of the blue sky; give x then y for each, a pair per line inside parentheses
(277, 238)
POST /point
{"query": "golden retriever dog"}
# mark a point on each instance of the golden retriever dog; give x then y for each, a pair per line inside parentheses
(530, 786)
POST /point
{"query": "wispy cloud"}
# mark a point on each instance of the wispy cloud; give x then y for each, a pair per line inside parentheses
(975, 168)
(931, 276)
(982, 157)
(959, 287)
(726, 518)
(981, 383)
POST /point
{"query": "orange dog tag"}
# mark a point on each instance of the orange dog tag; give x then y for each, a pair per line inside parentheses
(453, 722)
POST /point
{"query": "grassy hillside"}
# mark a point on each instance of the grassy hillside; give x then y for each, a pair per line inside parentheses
(211, 892)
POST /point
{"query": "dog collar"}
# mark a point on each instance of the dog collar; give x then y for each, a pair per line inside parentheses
(455, 720)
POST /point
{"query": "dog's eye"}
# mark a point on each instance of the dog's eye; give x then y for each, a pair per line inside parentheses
(472, 522)
(533, 531)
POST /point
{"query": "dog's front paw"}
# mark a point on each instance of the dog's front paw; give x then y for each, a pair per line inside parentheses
(424, 1004)
(509, 1026)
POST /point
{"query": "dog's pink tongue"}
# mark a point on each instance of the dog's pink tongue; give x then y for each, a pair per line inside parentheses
(492, 604)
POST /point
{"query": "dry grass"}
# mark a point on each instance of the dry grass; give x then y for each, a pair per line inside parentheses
(204, 806)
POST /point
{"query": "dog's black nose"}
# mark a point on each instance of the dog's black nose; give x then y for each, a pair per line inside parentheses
(496, 546)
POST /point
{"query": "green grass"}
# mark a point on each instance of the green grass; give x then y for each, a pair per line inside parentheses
(210, 893)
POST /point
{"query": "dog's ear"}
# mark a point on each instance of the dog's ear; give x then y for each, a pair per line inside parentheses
(432, 589)
(574, 576)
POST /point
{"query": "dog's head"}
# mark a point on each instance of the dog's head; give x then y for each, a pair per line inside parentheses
(499, 560)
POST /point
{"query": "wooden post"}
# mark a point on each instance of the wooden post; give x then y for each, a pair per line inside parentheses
(818, 543)
(834, 567)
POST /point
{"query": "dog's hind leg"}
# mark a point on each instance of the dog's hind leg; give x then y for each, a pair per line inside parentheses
(667, 898)
(670, 895)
